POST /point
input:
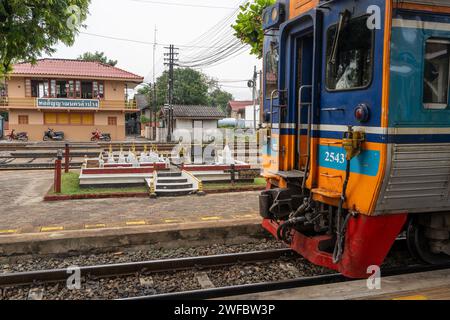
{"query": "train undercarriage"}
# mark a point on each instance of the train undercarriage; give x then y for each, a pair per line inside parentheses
(346, 241)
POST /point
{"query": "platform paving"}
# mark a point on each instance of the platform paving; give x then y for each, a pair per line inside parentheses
(22, 210)
(434, 285)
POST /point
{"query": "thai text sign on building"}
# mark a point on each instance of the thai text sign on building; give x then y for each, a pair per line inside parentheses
(68, 103)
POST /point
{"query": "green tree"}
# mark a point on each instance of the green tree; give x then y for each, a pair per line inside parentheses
(248, 26)
(219, 98)
(33, 27)
(145, 90)
(97, 57)
(190, 87)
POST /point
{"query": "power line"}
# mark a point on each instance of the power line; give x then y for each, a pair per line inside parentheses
(178, 4)
(222, 40)
(139, 41)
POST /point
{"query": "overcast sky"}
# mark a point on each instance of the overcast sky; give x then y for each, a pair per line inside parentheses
(136, 19)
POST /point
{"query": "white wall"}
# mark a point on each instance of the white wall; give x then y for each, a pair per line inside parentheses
(208, 126)
(249, 116)
(183, 124)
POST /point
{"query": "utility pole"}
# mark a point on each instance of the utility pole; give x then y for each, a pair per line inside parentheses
(153, 111)
(255, 79)
(171, 60)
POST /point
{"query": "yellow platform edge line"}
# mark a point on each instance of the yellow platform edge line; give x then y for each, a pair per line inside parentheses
(210, 218)
(416, 297)
(173, 221)
(51, 229)
(136, 223)
(9, 231)
(95, 226)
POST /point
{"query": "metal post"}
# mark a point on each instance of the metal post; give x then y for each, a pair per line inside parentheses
(67, 159)
(58, 165)
(233, 173)
(255, 78)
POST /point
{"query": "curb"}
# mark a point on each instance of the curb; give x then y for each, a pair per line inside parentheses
(106, 240)
(54, 198)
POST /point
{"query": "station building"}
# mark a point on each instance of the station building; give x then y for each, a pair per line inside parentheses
(73, 96)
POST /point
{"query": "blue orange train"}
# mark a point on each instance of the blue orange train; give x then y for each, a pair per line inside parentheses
(356, 121)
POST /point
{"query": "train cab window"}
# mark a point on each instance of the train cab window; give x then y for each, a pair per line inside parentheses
(271, 69)
(349, 55)
(436, 74)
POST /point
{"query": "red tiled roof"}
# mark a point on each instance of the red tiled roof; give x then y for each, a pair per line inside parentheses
(74, 68)
(239, 105)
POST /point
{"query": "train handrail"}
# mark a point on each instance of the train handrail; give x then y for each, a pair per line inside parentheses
(308, 146)
(272, 94)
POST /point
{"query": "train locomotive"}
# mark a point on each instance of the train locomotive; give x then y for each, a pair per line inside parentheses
(356, 125)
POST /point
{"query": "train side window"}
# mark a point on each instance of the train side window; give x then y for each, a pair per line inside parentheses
(436, 80)
(350, 64)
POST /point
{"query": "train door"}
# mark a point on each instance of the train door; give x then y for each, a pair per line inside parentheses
(303, 82)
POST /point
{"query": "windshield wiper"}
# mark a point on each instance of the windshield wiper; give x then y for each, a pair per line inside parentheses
(343, 19)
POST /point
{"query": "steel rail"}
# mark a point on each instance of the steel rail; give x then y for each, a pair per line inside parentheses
(155, 266)
(232, 291)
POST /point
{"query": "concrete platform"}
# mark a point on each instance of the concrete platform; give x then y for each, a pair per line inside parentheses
(421, 286)
(29, 225)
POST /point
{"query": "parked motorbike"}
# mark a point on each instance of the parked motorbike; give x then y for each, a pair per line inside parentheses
(50, 134)
(21, 136)
(98, 136)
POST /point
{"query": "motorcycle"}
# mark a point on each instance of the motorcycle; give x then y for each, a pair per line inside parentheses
(21, 136)
(50, 134)
(98, 136)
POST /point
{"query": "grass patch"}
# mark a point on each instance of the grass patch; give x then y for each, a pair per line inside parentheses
(258, 182)
(70, 186)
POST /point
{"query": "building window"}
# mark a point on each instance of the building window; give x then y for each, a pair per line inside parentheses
(61, 118)
(112, 121)
(71, 91)
(61, 91)
(3, 90)
(436, 84)
(101, 90)
(78, 89)
(39, 88)
(349, 55)
(98, 90)
(23, 119)
(53, 88)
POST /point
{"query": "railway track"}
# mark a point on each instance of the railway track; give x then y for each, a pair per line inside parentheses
(174, 266)
(156, 266)
(232, 291)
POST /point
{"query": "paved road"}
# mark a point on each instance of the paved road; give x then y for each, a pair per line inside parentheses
(22, 209)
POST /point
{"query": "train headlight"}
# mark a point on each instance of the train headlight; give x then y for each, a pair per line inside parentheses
(273, 16)
(275, 13)
(362, 112)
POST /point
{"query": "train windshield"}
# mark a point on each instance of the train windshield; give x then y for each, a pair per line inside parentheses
(352, 64)
(271, 69)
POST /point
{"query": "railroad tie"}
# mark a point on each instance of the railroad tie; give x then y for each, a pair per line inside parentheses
(36, 294)
(204, 281)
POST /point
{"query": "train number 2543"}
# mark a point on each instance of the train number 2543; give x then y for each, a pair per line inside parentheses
(334, 157)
